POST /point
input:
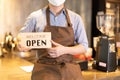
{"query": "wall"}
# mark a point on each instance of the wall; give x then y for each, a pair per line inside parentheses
(14, 12)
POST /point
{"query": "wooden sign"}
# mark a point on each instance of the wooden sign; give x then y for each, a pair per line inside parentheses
(35, 40)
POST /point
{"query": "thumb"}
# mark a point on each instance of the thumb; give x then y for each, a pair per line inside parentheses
(54, 43)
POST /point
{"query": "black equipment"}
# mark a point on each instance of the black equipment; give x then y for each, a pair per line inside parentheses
(106, 59)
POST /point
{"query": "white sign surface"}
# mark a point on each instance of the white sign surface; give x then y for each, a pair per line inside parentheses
(36, 39)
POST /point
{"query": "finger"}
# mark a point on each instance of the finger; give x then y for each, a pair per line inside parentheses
(19, 47)
(51, 49)
(53, 55)
(51, 52)
(27, 49)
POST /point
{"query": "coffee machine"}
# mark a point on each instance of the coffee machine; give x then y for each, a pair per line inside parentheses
(105, 59)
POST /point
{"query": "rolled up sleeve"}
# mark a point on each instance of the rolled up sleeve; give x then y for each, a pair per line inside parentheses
(29, 25)
(80, 33)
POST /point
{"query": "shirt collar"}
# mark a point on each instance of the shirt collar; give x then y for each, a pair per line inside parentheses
(62, 12)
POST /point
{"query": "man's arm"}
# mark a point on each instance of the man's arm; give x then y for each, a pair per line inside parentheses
(59, 50)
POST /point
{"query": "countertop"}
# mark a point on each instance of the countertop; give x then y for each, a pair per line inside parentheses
(10, 69)
(94, 74)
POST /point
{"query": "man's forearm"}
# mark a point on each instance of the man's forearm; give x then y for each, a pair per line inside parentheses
(78, 49)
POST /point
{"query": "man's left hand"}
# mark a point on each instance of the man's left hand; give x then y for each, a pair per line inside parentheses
(57, 50)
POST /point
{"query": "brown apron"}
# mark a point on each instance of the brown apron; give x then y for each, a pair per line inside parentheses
(61, 68)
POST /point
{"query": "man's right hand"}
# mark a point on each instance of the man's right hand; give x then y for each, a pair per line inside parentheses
(23, 48)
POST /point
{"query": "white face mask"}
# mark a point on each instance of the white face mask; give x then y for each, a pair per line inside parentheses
(56, 2)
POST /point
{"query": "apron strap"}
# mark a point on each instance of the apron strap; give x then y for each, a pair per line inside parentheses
(48, 17)
(68, 18)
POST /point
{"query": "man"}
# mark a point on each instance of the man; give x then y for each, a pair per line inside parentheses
(68, 39)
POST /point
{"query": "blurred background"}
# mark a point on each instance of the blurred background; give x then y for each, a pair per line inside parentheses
(13, 13)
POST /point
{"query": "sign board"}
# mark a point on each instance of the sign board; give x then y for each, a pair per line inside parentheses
(35, 39)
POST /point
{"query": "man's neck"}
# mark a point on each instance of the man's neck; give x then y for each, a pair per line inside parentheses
(56, 9)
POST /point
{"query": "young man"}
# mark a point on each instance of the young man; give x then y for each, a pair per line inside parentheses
(68, 38)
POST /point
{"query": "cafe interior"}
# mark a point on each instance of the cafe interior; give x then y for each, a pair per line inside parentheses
(101, 19)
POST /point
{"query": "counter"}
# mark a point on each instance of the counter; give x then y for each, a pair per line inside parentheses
(93, 74)
(10, 70)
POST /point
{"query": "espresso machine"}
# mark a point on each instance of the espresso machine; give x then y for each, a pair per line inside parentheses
(105, 59)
